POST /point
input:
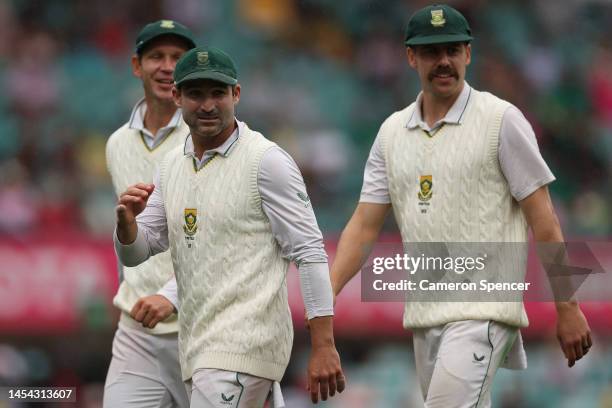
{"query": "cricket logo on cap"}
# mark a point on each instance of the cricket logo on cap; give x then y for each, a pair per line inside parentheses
(426, 184)
(202, 57)
(166, 24)
(437, 18)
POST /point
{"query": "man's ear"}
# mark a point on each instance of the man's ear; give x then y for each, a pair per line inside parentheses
(236, 93)
(136, 67)
(176, 95)
(411, 57)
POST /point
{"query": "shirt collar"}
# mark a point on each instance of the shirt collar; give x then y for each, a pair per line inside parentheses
(137, 118)
(224, 150)
(453, 116)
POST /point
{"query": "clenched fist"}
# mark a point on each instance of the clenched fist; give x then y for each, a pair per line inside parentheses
(150, 310)
(131, 203)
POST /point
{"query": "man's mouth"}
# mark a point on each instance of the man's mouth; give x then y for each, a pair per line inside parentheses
(443, 75)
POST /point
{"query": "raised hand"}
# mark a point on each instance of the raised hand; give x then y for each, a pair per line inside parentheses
(131, 203)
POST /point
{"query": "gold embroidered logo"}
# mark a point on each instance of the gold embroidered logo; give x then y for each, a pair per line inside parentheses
(426, 184)
(202, 57)
(191, 218)
(166, 24)
(437, 18)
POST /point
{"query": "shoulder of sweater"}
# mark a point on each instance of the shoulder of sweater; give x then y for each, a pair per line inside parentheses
(174, 153)
(398, 118)
(489, 99)
(118, 136)
(257, 137)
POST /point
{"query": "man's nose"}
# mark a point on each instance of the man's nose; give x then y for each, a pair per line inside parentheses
(444, 59)
(168, 64)
(208, 104)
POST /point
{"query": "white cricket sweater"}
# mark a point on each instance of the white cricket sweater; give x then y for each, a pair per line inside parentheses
(130, 161)
(471, 200)
(229, 269)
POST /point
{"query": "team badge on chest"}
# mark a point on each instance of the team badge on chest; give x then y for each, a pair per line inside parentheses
(425, 192)
(191, 224)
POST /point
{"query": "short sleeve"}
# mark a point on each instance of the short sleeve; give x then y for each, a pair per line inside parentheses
(519, 156)
(375, 187)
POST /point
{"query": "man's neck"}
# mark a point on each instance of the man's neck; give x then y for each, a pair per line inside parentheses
(202, 144)
(435, 108)
(158, 115)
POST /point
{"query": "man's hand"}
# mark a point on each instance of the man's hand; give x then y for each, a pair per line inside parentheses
(150, 310)
(131, 203)
(573, 332)
(325, 375)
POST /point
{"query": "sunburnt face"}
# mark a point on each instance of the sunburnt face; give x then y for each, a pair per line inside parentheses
(441, 67)
(156, 64)
(208, 106)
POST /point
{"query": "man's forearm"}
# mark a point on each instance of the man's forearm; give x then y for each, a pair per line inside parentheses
(553, 256)
(353, 250)
(134, 253)
(126, 233)
(322, 331)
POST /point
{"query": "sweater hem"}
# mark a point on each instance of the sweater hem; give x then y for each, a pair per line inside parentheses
(240, 363)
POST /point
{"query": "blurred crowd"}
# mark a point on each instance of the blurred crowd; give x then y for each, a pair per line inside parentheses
(318, 77)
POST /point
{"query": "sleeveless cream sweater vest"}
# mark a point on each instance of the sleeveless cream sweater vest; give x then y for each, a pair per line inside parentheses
(470, 199)
(231, 277)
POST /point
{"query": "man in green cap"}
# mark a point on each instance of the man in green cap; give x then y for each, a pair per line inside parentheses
(457, 166)
(144, 370)
(233, 209)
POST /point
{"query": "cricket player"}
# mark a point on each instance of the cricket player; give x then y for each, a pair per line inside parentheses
(144, 370)
(233, 209)
(457, 165)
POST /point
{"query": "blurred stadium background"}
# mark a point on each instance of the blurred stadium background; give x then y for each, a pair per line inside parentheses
(318, 77)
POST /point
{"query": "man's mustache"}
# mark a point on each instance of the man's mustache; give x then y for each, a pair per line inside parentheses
(444, 71)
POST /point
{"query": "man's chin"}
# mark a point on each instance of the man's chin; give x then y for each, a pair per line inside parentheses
(208, 131)
(163, 94)
(446, 88)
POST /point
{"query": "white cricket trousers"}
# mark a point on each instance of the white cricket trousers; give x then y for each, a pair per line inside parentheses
(144, 371)
(456, 362)
(213, 388)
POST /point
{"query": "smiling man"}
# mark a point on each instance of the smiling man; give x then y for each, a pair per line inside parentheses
(144, 370)
(232, 207)
(457, 165)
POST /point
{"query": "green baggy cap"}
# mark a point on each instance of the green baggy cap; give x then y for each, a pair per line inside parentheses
(163, 27)
(205, 63)
(437, 24)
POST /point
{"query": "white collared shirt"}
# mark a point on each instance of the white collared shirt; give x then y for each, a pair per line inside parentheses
(518, 153)
(292, 221)
(453, 116)
(136, 122)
